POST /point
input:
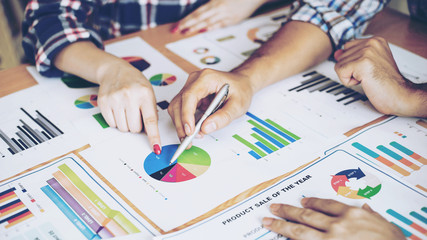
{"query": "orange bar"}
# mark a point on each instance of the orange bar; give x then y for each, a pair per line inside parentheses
(419, 158)
(400, 170)
(385, 161)
(20, 220)
(414, 237)
(419, 228)
(111, 226)
(409, 164)
(421, 187)
(7, 197)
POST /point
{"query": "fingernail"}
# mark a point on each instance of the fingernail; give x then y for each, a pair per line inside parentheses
(187, 129)
(274, 207)
(203, 30)
(183, 31)
(267, 222)
(175, 29)
(210, 127)
(304, 201)
(198, 136)
(181, 139)
(156, 148)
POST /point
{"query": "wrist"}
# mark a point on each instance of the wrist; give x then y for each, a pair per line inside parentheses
(107, 68)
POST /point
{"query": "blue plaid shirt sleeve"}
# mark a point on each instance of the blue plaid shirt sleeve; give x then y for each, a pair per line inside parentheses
(50, 26)
(341, 20)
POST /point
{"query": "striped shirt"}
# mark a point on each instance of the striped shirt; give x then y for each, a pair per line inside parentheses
(51, 25)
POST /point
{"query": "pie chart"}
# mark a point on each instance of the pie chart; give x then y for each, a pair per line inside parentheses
(210, 60)
(191, 164)
(162, 79)
(201, 50)
(87, 102)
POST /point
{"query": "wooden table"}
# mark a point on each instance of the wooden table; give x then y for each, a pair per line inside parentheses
(397, 28)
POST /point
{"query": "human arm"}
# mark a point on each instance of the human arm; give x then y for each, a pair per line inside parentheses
(330, 219)
(369, 62)
(216, 14)
(59, 37)
(314, 30)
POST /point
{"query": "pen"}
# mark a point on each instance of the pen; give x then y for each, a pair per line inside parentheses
(215, 104)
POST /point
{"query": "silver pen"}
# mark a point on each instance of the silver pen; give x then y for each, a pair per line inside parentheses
(215, 104)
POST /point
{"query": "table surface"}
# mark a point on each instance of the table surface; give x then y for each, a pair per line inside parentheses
(395, 27)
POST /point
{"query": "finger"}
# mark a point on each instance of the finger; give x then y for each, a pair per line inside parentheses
(177, 121)
(291, 230)
(120, 118)
(347, 70)
(327, 206)
(222, 117)
(353, 43)
(205, 24)
(189, 106)
(134, 120)
(305, 216)
(150, 119)
(202, 13)
(108, 116)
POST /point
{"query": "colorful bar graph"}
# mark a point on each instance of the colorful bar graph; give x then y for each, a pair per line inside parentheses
(397, 157)
(250, 145)
(268, 137)
(407, 221)
(118, 217)
(380, 159)
(407, 233)
(100, 119)
(107, 223)
(68, 212)
(409, 152)
(12, 209)
(418, 216)
(27, 136)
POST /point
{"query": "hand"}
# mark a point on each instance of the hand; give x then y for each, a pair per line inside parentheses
(198, 90)
(369, 62)
(329, 219)
(216, 14)
(125, 96)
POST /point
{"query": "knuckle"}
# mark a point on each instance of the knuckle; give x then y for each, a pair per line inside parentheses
(296, 230)
(306, 215)
(149, 121)
(354, 212)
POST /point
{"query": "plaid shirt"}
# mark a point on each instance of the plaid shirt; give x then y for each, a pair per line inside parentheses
(342, 20)
(51, 25)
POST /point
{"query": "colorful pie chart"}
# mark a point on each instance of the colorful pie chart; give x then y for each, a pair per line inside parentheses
(201, 50)
(137, 62)
(210, 60)
(87, 102)
(191, 164)
(162, 79)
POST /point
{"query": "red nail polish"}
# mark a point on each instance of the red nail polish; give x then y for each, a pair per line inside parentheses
(156, 149)
(175, 29)
(184, 30)
(203, 30)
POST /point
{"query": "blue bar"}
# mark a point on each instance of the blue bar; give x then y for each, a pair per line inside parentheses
(254, 154)
(424, 209)
(402, 148)
(365, 150)
(266, 136)
(389, 152)
(404, 231)
(68, 212)
(271, 127)
(418, 216)
(265, 148)
(399, 217)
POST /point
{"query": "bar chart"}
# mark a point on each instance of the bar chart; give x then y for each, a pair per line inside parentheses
(90, 214)
(266, 137)
(31, 132)
(410, 225)
(320, 83)
(12, 210)
(393, 151)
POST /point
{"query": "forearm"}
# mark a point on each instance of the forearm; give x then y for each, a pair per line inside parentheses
(415, 98)
(85, 60)
(294, 48)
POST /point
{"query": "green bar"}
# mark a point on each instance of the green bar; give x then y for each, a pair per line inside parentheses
(270, 133)
(100, 119)
(282, 129)
(110, 213)
(265, 142)
(249, 145)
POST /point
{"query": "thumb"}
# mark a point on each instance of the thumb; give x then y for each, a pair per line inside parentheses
(338, 53)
